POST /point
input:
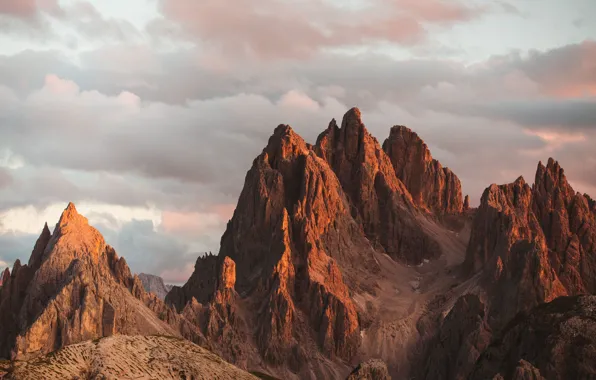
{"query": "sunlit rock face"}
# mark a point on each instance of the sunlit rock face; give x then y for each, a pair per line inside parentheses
(432, 186)
(73, 289)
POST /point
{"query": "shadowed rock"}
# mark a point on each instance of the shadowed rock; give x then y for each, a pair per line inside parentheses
(554, 341)
(373, 369)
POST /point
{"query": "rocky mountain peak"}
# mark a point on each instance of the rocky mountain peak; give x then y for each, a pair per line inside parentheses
(4, 277)
(368, 179)
(75, 288)
(283, 145)
(433, 187)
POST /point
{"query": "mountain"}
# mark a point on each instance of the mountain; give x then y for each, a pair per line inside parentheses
(130, 357)
(529, 245)
(320, 247)
(74, 288)
(154, 284)
(4, 276)
(556, 340)
(340, 253)
(432, 186)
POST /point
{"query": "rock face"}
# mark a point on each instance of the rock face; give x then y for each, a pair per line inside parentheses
(464, 333)
(541, 238)
(380, 201)
(373, 369)
(432, 186)
(130, 357)
(290, 230)
(556, 340)
(303, 243)
(200, 286)
(73, 289)
(4, 276)
(154, 284)
(529, 245)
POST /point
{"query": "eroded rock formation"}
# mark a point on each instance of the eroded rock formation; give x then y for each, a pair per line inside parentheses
(529, 245)
(373, 369)
(556, 340)
(380, 201)
(432, 186)
(154, 284)
(75, 288)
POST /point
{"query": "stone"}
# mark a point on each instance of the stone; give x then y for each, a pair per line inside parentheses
(373, 369)
(154, 284)
(378, 199)
(432, 186)
(556, 340)
(72, 290)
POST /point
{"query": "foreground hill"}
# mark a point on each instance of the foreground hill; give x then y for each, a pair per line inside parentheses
(129, 357)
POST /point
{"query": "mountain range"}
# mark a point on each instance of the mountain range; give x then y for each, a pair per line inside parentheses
(343, 258)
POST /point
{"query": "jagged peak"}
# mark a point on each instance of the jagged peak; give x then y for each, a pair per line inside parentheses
(5, 276)
(284, 144)
(17, 265)
(70, 215)
(352, 116)
(40, 246)
(551, 176)
(520, 181)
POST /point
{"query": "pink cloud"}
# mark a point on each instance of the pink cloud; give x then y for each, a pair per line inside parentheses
(177, 276)
(280, 29)
(565, 72)
(27, 9)
(195, 223)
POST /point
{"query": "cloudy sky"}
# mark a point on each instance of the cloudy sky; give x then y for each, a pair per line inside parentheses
(147, 113)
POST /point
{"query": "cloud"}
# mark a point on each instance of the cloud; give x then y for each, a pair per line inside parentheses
(151, 131)
(28, 10)
(271, 29)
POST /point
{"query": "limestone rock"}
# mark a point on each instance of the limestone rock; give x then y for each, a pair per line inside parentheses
(200, 285)
(379, 200)
(528, 246)
(463, 335)
(432, 186)
(154, 284)
(5, 276)
(373, 369)
(556, 340)
(73, 289)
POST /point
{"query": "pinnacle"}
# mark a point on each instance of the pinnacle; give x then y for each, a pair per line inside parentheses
(352, 117)
(70, 213)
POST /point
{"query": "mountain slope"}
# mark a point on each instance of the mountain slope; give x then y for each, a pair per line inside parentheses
(556, 340)
(316, 248)
(529, 245)
(129, 357)
(75, 288)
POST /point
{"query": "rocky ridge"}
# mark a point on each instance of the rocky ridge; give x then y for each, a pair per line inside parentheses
(74, 288)
(305, 240)
(556, 340)
(336, 253)
(529, 245)
(154, 284)
(432, 186)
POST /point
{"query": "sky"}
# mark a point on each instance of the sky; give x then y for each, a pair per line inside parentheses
(148, 113)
